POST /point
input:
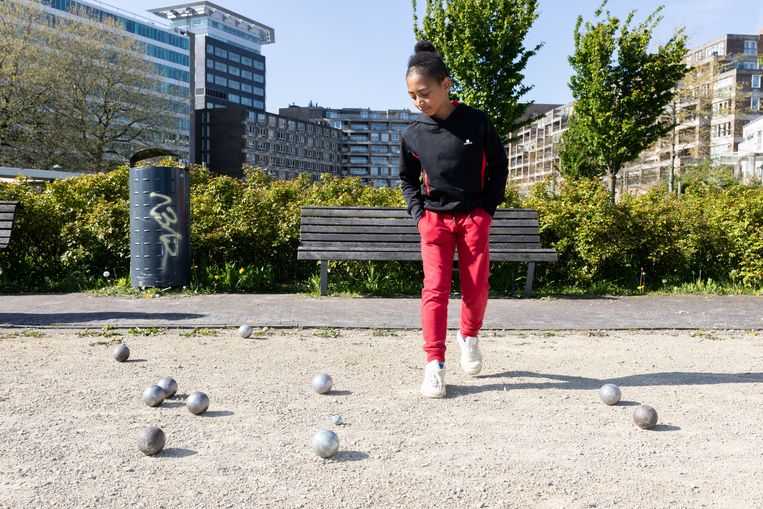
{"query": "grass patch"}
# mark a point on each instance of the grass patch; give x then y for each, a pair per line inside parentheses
(384, 332)
(146, 331)
(326, 332)
(193, 333)
(26, 333)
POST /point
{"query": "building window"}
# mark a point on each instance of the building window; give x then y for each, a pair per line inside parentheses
(246, 61)
(755, 103)
(234, 84)
(210, 63)
(234, 57)
(234, 70)
(246, 101)
(219, 80)
(246, 88)
(751, 48)
(234, 98)
(219, 66)
(221, 53)
(210, 78)
(246, 75)
(755, 81)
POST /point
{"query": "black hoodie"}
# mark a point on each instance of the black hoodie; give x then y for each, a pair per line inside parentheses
(462, 159)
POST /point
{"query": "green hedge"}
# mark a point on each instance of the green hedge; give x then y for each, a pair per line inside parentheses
(244, 236)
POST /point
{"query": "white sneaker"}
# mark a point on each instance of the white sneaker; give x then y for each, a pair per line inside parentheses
(434, 381)
(471, 358)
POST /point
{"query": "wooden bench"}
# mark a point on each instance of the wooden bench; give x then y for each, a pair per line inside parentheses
(7, 214)
(386, 233)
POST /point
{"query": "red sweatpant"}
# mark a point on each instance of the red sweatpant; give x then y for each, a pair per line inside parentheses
(441, 233)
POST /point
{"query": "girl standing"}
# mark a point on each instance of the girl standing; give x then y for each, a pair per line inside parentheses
(453, 171)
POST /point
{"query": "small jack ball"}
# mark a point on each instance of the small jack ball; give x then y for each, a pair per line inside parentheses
(121, 353)
(610, 394)
(245, 330)
(645, 417)
(151, 440)
(169, 385)
(337, 420)
(197, 403)
(325, 443)
(153, 395)
(322, 383)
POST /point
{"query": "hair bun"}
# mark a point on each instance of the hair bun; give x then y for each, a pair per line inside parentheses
(427, 46)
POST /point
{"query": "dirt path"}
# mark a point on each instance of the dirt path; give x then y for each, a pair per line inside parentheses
(529, 432)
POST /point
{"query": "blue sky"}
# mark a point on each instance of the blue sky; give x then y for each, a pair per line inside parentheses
(353, 53)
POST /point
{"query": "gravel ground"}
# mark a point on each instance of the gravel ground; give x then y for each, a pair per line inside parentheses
(530, 431)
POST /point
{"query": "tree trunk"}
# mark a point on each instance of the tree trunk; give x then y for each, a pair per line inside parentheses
(611, 183)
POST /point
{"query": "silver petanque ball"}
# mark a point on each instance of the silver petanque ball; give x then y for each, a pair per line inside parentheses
(197, 403)
(325, 443)
(121, 353)
(153, 395)
(322, 383)
(169, 385)
(337, 420)
(645, 417)
(245, 330)
(610, 394)
(151, 440)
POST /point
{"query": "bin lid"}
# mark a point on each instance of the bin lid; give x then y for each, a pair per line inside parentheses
(148, 153)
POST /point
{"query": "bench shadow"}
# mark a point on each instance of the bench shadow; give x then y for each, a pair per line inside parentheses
(98, 317)
(175, 452)
(555, 381)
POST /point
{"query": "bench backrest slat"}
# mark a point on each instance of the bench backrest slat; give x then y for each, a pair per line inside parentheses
(7, 214)
(396, 212)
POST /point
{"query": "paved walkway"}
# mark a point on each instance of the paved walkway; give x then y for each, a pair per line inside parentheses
(292, 310)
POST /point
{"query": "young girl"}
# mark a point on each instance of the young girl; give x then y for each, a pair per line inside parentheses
(453, 171)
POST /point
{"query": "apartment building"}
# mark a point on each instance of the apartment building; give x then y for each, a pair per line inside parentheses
(533, 151)
(371, 145)
(229, 138)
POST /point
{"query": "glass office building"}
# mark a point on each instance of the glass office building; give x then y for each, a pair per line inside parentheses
(228, 69)
(167, 48)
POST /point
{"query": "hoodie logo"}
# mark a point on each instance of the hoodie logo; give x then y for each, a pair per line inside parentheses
(468, 142)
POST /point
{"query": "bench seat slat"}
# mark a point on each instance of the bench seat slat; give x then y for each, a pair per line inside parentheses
(7, 216)
(370, 247)
(404, 229)
(5, 234)
(536, 256)
(8, 206)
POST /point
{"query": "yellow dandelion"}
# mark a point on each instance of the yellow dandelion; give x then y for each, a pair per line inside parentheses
(217, 276)
(241, 270)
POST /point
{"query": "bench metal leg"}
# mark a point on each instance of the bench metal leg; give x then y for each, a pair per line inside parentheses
(324, 277)
(529, 282)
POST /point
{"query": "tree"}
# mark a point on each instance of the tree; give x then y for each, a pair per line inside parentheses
(575, 157)
(482, 43)
(621, 88)
(26, 78)
(107, 98)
